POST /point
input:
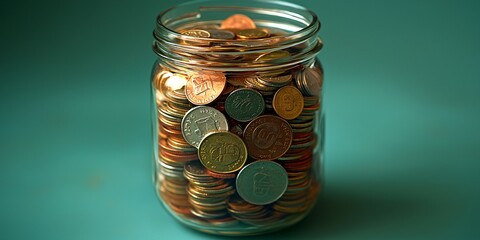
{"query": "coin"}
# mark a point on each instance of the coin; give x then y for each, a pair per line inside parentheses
(262, 182)
(238, 21)
(252, 33)
(313, 80)
(244, 104)
(275, 81)
(267, 137)
(272, 56)
(201, 120)
(196, 33)
(221, 34)
(288, 102)
(204, 87)
(222, 152)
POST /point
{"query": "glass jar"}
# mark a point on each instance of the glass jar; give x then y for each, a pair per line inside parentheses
(237, 117)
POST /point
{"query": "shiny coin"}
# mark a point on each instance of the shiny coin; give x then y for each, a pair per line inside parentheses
(252, 33)
(200, 121)
(195, 168)
(244, 104)
(313, 80)
(272, 56)
(203, 88)
(221, 34)
(222, 152)
(275, 80)
(267, 137)
(288, 102)
(262, 182)
(196, 33)
(238, 21)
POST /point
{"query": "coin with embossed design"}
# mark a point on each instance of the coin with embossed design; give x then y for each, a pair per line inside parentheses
(204, 87)
(201, 120)
(222, 152)
(288, 102)
(262, 182)
(244, 104)
(267, 137)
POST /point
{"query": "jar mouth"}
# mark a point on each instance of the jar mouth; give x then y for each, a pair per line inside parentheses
(301, 25)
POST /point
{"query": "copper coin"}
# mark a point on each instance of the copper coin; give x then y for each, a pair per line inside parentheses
(238, 21)
(221, 175)
(268, 137)
(203, 88)
(288, 102)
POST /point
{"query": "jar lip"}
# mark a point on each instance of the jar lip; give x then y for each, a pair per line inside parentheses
(308, 30)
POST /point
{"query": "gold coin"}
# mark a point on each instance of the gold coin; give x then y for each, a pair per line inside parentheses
(222, 152)
(252, 33)
(288, 102)
(238, 21)
(204, 87)
(272, 56)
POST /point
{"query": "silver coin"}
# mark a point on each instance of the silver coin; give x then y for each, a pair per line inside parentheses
(201, 120)
(312, 80)
(262, 182)
(221, 34)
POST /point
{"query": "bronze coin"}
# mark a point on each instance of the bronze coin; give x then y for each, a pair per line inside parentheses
(203, 88)
(268, 137)
(238, 21)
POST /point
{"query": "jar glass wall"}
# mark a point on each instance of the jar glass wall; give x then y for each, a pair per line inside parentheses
(237, 116)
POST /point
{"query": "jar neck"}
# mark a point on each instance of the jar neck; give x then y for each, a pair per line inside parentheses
(182, 51)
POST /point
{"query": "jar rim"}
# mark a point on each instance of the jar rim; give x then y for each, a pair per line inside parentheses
(166, 37)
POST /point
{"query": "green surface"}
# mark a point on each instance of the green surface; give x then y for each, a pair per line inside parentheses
(403, 121)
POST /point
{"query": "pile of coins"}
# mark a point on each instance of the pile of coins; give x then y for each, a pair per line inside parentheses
(237, 147)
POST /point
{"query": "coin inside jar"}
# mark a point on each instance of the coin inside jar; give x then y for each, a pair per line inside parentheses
(222, 152)
(252, 33)
(204, 87)
(196, 33)
(244, 104)
(221, 34)
(262, 182)
(238, 21)
(288, 102)
(273, 56)
(268, 137)
(201, 120)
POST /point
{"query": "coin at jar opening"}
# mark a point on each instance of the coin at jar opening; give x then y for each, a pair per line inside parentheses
(222, 152)
(196, 33)
(201, 120)
(244, 104)
(221, 34)
(288, 102)
(268, 137)
(252, 33)
(238, 21)
(204, 87)
(272, 56)
(312, 80)
(262, 182)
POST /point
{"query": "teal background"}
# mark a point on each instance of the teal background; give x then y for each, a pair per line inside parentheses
(401, 97)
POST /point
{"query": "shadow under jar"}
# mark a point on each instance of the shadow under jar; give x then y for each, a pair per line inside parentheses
(237, 118)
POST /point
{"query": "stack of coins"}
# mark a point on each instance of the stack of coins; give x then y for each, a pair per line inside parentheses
(208, 195)
(237, 147)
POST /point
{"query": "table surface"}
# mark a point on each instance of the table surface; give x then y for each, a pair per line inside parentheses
(403, 122)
